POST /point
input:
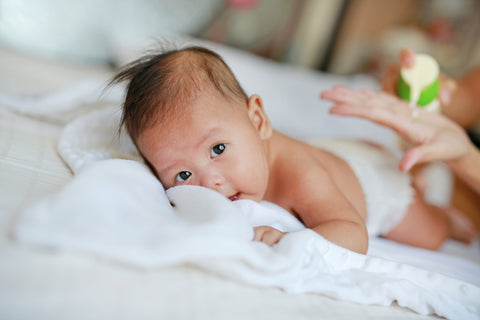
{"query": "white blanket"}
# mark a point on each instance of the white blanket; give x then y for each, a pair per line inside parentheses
(117, 209)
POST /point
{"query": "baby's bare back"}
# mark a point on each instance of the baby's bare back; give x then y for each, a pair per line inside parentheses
(295, 161)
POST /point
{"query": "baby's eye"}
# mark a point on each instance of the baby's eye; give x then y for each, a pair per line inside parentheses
(217, 150)
(182, 176)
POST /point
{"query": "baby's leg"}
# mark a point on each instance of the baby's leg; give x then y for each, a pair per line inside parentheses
(428, 226)
(461, 227)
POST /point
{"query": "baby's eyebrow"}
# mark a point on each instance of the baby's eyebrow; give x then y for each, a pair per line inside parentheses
(168, 168)
(206, 136)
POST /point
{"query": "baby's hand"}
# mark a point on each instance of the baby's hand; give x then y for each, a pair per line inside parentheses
(267, 235)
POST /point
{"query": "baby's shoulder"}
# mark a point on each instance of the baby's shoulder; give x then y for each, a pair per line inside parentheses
(303, 163)
(294, 158)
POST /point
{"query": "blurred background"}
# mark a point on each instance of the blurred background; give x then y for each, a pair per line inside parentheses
(337, 36)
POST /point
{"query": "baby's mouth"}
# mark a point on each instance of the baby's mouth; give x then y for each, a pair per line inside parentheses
(236, 196)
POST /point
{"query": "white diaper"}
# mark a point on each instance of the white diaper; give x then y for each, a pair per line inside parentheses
(387, 190)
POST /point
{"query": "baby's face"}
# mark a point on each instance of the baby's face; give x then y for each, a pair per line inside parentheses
(214, 145)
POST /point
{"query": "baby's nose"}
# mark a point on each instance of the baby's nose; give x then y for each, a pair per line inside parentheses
(213, 180)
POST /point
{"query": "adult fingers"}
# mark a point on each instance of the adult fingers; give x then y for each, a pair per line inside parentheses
(392, 72)
(407, 58)
(448, 87)
(423, 153)
(394, 118)
(390, 78)
(409, 160)
(341, 94)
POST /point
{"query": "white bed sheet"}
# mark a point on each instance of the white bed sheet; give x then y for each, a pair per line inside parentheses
(50, 285)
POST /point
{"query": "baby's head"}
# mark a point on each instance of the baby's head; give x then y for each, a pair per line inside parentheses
(193, 123)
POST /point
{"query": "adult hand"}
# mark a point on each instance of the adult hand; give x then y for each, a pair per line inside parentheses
(434, 137)
(389, 81)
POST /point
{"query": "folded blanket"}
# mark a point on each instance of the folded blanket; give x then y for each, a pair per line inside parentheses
(118, 210)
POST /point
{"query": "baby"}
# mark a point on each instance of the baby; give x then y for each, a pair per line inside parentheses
(194, 125)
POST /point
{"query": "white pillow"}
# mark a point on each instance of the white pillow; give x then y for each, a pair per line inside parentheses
(83, 30)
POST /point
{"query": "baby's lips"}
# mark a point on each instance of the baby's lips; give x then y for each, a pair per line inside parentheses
(235, 197)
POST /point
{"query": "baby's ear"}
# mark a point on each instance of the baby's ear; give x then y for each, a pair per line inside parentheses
(259, 117)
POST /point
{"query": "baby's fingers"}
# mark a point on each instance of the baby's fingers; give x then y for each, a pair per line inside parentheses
(258, 233)
(272, 237)
(267, 235)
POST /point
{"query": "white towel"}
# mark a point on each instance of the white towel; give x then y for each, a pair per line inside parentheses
(118, 210)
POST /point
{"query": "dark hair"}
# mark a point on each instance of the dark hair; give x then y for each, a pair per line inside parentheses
(160, 83)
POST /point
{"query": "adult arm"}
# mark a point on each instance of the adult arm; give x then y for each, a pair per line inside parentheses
(434, 136)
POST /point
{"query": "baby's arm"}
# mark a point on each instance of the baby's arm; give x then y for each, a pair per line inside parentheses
(323, 208)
